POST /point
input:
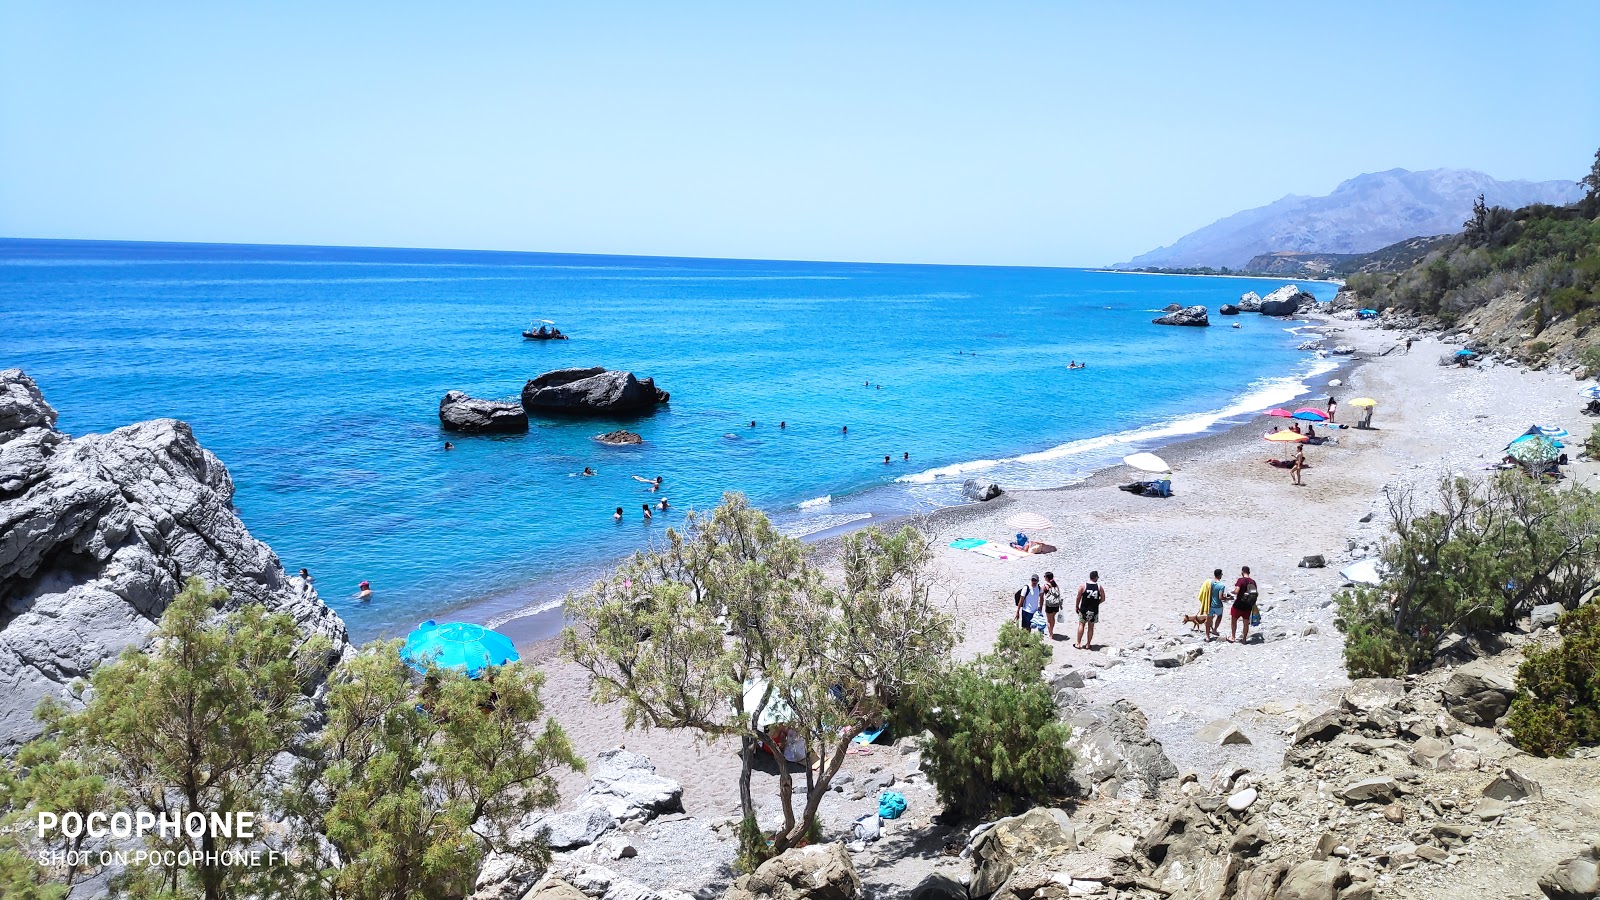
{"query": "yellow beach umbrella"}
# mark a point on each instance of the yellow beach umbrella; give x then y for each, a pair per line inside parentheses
(1363, 401)
(1287, 437)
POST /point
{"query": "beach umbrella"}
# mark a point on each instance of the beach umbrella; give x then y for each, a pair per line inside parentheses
(1533, 450)
(1592, 392)
(1526, 437)
(1028, 522)
(1312, 413)
(1280, 413)
(1147, 462)
(775, 712)
(457, 645)
(1549, 431)
(1287, 437)
(1362, 571)
(1466, 353)
(1363, 401)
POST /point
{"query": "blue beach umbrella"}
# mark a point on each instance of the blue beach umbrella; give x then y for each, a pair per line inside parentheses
(1592, 392)
(457, 645)
(1549, 431)
(1530, 437)
(1466, 353)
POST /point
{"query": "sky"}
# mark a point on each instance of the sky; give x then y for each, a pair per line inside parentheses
(994, 133)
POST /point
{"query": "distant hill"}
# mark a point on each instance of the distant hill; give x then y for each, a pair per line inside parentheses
(1393, 258)
(1366, 213)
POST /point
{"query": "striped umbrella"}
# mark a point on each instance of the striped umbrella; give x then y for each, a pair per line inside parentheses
(1533, 450)
(1549, 431)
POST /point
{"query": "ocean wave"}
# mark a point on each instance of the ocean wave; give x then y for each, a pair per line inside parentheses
(815, 502)
(810, 525)
(1260, 395)
(529, 610)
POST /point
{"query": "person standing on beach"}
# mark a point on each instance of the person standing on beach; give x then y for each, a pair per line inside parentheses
(1052, 604)
(1245, 593)
(1215, 594)
(1299, 465)
(1408, 344)
(1029, 607)
(1332, 406)
(1090, 596)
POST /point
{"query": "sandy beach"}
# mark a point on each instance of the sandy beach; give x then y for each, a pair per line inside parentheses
(1230, 509)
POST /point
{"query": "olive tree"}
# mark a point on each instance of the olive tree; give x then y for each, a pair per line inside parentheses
(731, 631)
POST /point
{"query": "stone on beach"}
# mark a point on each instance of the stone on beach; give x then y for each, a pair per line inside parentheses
(981, 491)
(1222, 732)
(1285, 301)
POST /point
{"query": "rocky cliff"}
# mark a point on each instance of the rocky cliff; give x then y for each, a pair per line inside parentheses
(98, 533)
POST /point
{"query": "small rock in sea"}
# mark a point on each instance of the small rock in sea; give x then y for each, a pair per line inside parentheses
(619, 438)
(1193, 315)
(470, 415)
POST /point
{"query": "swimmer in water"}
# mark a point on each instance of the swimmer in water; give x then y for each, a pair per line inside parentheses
(783, 424)
(655, 485)
(617, 516)
(886, 459)
(365, 594)
(845, 430)
(586, 472)
(906, 456)
(449, 446)
(647, 516)
(662, 505)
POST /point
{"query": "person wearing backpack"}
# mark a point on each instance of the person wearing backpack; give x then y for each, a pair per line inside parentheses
(1090, 596)
(1245, 594)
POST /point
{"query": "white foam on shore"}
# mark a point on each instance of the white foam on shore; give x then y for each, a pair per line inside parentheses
(1260, 396)
(813, 524)
(524, 612)
(816, 502)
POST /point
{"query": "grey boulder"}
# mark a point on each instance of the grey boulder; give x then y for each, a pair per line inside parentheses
(1577, 878)
(1285, 301)
(1193, 315)
(1545, 616)
(625, 784)
(569, 830)
(591, 392)
(1227, 309)
(1249, 301)
(981, 491)
(470, 415)
(1476, 695)
(1116, 755)
(817, 872)
(98, 533)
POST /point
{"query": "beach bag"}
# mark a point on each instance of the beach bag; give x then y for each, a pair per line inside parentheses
(866, 828)
(1255, 617)
(1249, 593)
(891, 805)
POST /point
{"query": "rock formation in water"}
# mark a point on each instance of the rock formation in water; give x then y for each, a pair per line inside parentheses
(1285, 301)
(98, 533)
(591, 392)
(619, 438)
(470, 415)
(1193, 315)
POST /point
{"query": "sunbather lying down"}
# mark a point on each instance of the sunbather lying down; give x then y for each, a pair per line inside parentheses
(1033, 547)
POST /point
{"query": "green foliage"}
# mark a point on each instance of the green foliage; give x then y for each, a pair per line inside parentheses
(1591, 444)
(732, 619)
(1560, 686)
(996, 743)
(405, 769)
(189, 727)
(1479, 558)
(1590, 358)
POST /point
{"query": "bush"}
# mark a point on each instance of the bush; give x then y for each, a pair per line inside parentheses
(1590, 357)
(1560, 706)
(1591, 444)
(1479, 557)
(996, 741)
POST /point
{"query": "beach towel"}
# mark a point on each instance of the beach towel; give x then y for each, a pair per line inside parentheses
(891, 805)
(867, 737)
(1205, 597)
(968, 543)
(997, 551)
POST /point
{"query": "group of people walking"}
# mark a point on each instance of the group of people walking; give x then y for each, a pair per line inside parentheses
(1241, 603)
(1039, 603)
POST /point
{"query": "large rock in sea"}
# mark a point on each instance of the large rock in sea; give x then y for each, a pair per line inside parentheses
(1249, 301)
(98, 533)
(1193, 315)
(591, 392)
(1228, 309)
(1284, 301)
(470, 415)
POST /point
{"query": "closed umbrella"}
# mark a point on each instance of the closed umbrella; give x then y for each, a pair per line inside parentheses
(1147, 462)
(1029, 522)
(457, 645)
(1287, 437)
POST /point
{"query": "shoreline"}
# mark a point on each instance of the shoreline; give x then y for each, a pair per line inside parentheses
(1291, 278)
(537, 617)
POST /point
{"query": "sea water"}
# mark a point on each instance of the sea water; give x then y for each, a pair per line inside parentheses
(315, 374)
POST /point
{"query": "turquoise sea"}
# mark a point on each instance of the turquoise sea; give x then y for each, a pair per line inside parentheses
(315, 374)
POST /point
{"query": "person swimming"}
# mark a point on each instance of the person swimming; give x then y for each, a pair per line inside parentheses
(886, 459)
(586, 472)
(617, 516)
(365, 594)
(449, 446)
(663, 505)
(783, 424)
(906, 455)
(845, 430)
(647, 515)
(752, 423)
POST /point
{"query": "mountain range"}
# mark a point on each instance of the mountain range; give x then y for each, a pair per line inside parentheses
(1363, 214)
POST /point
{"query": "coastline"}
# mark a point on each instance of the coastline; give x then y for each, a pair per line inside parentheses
(1229, 509)
(1287, 278)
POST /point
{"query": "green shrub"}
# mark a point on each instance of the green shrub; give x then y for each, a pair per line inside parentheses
(1590, 357)
(996, 742)
(1591, 444)
(1373, 648)
(1560, 686)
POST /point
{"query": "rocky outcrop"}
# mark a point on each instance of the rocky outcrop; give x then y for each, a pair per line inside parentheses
(1250, 301)
(1228, 309)
(981, 491)
(98, 533)
(1116, 756)
(1285, 301)
(1477, 695)
(591, 392)
(625, 784)
(470, 415)
(619, 438)
(818, 872)
(1193, 315)
(1577, 878)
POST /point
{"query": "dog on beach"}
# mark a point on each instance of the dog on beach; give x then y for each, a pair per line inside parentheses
(1195, 623)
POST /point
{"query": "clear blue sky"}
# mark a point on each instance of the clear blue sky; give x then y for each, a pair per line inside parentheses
(1015, 133)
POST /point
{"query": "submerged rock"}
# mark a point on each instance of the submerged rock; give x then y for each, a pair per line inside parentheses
(470, 415)
(591, 392)
(1193, 315)
(98, 533)
(619, 438)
